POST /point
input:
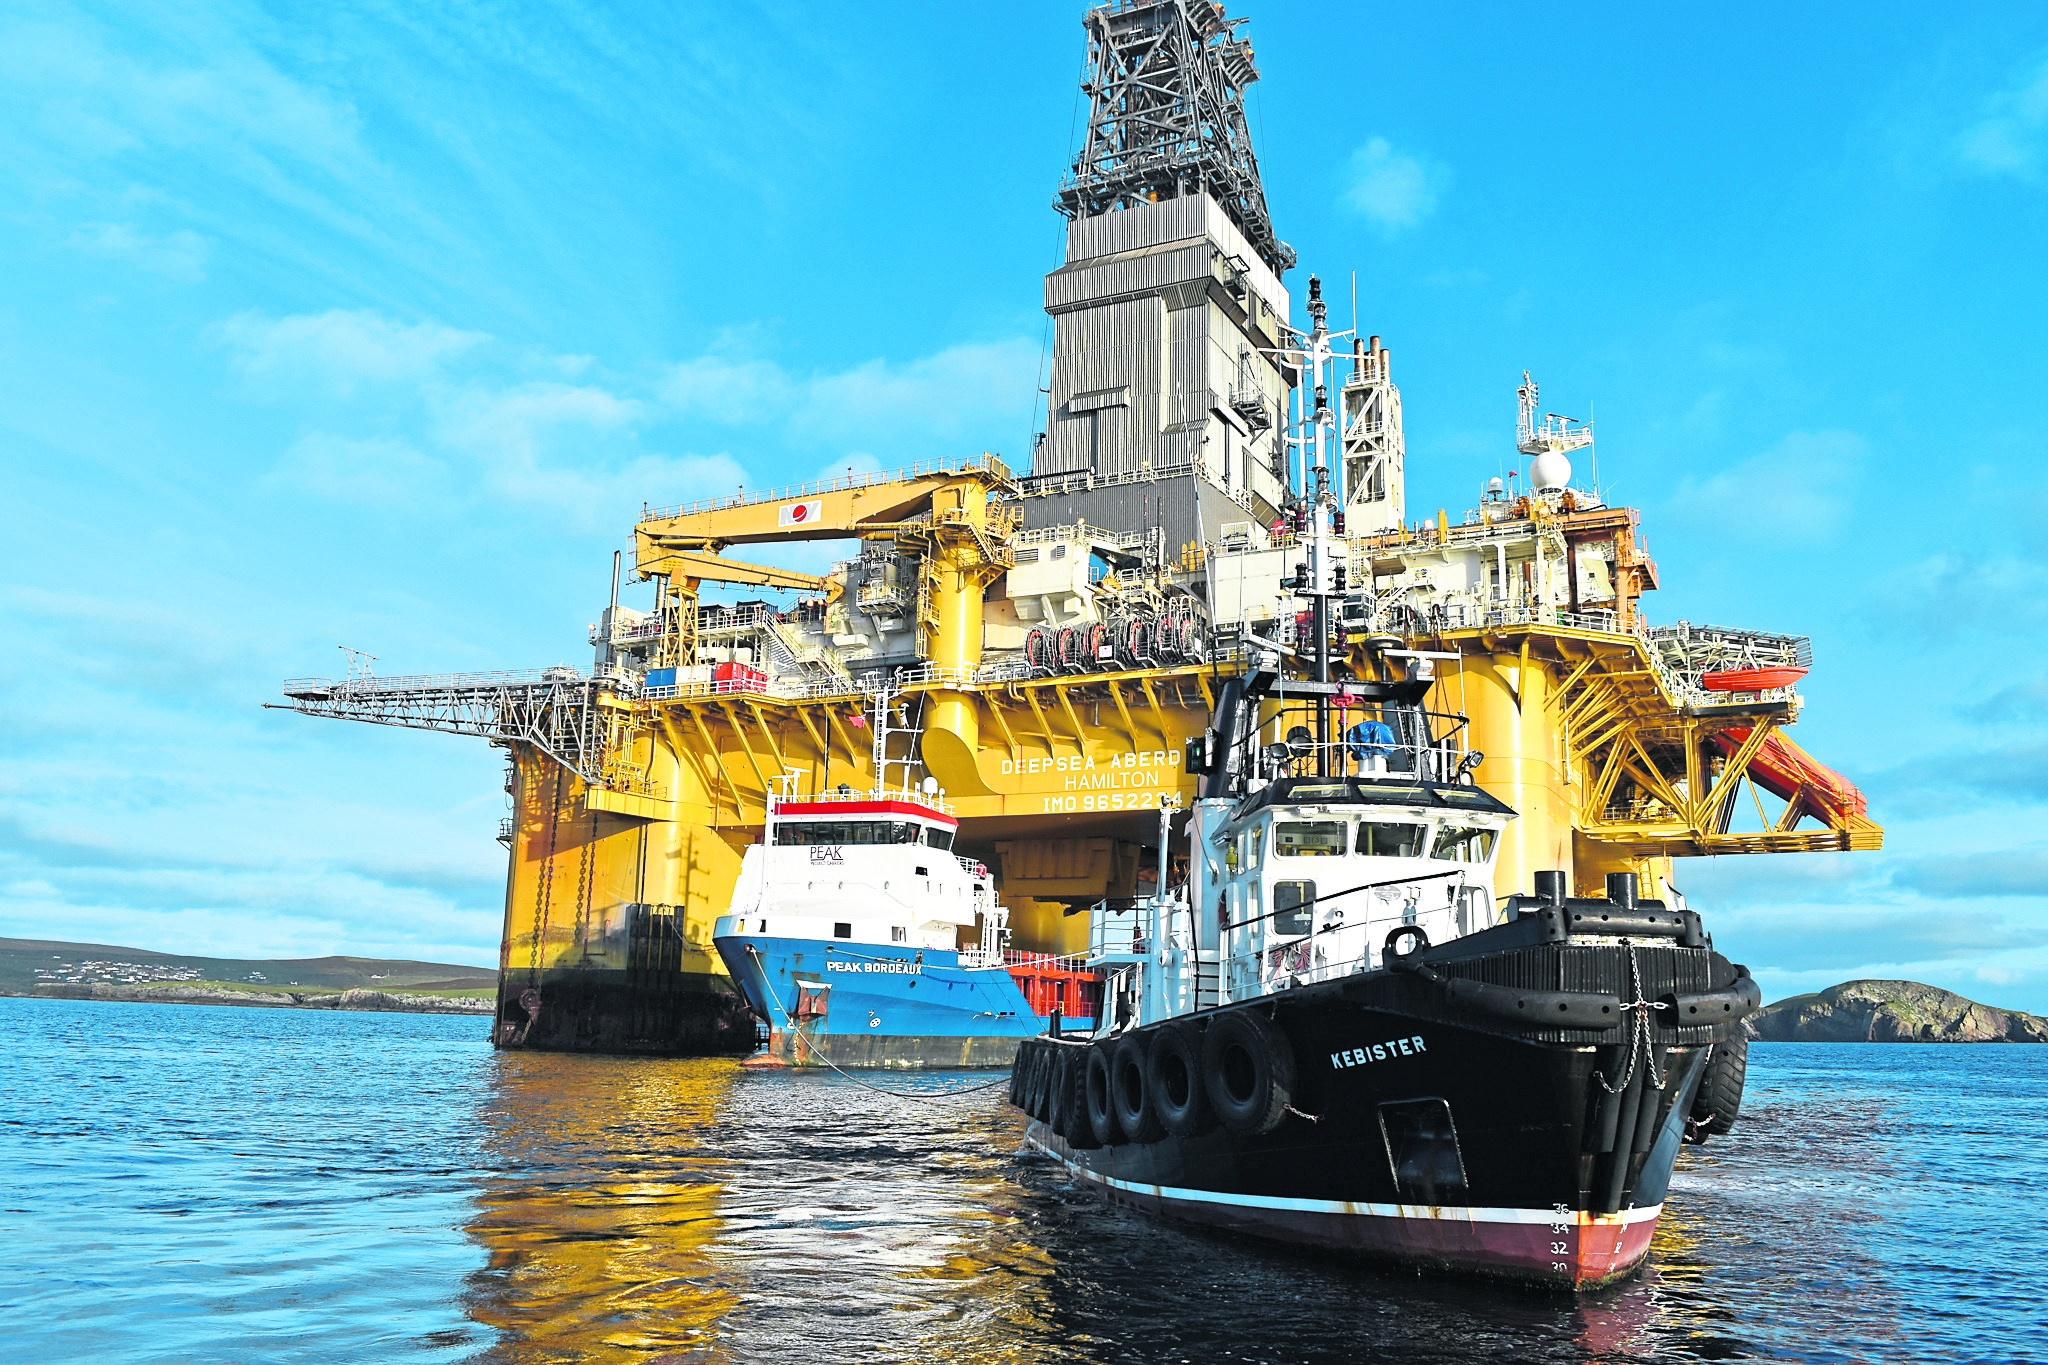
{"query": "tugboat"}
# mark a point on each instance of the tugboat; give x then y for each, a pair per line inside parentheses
(1334, 1038)
(1335, 1034)
(844, 935)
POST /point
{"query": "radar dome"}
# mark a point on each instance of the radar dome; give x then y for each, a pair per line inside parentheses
(1550, 471)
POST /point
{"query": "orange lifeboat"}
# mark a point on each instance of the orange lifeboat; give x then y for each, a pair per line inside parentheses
(1750, 679)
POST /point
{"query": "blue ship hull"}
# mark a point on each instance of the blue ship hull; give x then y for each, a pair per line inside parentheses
(833, 1003)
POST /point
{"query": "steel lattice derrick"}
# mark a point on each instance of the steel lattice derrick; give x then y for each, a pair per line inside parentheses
(1166, 85)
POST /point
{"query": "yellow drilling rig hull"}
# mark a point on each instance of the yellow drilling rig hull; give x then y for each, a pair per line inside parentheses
(1057, 780)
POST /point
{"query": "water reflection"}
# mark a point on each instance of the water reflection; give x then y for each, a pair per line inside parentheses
(692, 1211)
(601, 1214)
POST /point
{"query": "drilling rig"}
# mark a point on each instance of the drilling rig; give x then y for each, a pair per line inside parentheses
(1054, 641)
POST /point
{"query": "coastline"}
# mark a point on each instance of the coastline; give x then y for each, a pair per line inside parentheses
(180, 993)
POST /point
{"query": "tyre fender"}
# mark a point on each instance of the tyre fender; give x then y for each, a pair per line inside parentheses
(1247, 1072)
(1130, 1088)
(1173, 1081)
(1059, 1104)
(1079, 1129)
(1040, 1083)
(1095, 1081)
(1718, 1101)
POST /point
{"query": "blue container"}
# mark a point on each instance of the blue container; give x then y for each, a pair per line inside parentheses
(661, 677)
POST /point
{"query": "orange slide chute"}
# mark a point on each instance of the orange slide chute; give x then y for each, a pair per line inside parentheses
(1785, 770)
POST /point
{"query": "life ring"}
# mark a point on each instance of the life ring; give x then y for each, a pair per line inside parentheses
(1247, 1072)
(1718, 1100)
(1129, 1091)
(1173, 1081)
(1393, 956)
(1095, 1086)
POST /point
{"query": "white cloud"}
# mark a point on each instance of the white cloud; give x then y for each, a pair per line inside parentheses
(1394, 190)
(455, 409)
(947, 395)
(179, 255)
(508, 426)
(727, 391)
(337, 350)
(380, 471)
(2009, 139)
(228, 98)
(1801, 489)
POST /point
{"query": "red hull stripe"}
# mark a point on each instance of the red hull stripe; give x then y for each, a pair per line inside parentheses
(1561, 1247)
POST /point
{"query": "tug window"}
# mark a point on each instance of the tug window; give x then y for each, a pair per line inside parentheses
(1458, 845)
(1294, 905)
(1389, 841)
(938, 838)
(1309, 838)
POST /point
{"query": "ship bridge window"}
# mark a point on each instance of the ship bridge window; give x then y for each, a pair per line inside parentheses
(846, 832)
(1320, 792)
(937, 837)
(1456, 844)
(1294, 906)
(1389, 841)
(1308, 838)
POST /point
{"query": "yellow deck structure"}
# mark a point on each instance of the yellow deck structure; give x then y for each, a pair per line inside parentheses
(614, 883)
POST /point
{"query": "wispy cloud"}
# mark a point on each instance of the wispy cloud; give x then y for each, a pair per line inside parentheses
(1394, 190)
(179, 255)
(378, 471)
(1801, 489)
(337, 351)
(730, 392)
(2009, 140)
(1962, 876)
(944, 396)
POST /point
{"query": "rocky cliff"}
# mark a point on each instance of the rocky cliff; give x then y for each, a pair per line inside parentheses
(178, 993)
(1891, 1012)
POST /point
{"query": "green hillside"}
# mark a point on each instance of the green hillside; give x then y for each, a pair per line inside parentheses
(26, 963)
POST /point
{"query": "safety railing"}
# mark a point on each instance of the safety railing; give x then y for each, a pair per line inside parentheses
(931, 801)
(1446, 761)
(1368, 911)
(363, 685)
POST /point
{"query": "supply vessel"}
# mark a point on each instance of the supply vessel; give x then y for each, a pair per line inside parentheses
(1058, 632)
(844, 930)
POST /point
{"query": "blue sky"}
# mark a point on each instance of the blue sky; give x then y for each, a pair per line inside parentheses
(375, 325)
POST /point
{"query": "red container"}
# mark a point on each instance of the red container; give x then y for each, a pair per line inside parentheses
(740, 677)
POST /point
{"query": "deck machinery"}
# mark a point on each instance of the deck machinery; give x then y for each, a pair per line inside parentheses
(1054, 639)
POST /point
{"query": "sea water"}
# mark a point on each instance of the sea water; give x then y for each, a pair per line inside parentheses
(237, 1184)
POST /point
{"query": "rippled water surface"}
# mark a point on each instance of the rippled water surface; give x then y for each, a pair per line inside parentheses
(225, 1184)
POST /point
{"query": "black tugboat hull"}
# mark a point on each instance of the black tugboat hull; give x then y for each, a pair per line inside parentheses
(1429, 1130)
